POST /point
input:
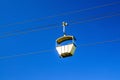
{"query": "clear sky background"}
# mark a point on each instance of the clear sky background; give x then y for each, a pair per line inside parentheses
(97, 62)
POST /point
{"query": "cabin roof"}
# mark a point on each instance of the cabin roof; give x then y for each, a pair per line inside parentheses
(65, 38)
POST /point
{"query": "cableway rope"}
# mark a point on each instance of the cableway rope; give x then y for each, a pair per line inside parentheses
(57, 26)
(43, 51)
(62, 14)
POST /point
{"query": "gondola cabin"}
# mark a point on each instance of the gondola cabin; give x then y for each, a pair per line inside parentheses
(67, 49)
(65, 45)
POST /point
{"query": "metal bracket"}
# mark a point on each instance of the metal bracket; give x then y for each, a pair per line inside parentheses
(64, 24)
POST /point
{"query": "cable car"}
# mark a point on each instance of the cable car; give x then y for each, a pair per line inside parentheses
(68, 48)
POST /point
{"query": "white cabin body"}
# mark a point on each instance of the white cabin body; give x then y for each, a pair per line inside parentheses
(65, 50)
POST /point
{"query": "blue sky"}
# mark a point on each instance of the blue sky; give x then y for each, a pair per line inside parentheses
(97, 62)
